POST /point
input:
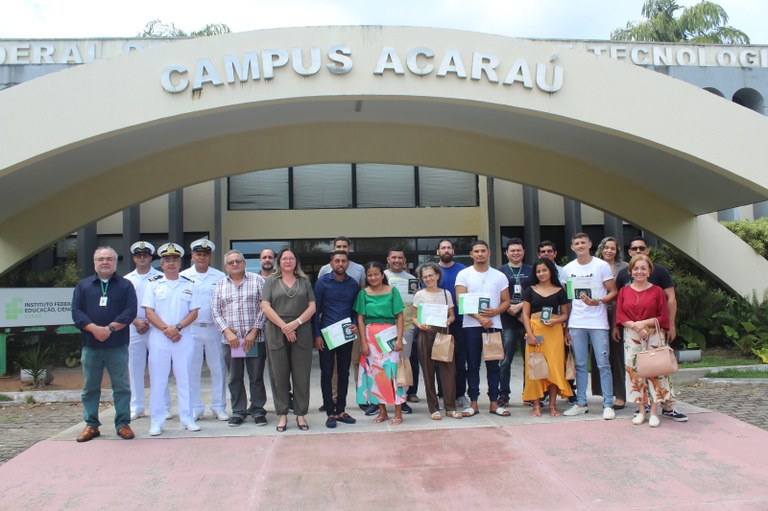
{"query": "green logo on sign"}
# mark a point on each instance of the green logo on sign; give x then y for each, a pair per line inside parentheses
(14, 308)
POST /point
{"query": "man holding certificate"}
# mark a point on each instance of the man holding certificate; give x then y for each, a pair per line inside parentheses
(483, 295)
(334, 328)
(236, 311)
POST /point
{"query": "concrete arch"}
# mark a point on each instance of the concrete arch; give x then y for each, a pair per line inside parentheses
(655, 151)
(749, 98)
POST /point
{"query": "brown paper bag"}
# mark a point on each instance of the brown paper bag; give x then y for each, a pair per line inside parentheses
(493, 349)
(442, 349)
(570, 367)
(404, 372)
(537, 368)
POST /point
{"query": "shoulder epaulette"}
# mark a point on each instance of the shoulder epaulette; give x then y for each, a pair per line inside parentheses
(152, 279)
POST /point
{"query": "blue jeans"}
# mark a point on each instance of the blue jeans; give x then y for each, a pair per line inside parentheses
(473, 341)
(580, 340)
(512, 338)
(116, 361)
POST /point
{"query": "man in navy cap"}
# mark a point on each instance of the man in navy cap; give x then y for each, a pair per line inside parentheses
(142, 252)
(206, 335)
(102, 306)
(171, 306)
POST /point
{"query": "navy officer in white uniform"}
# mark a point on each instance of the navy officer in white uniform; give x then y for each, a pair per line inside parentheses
(171, 307)
(207, 337)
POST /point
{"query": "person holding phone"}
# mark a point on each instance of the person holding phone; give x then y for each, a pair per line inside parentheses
(545, 311)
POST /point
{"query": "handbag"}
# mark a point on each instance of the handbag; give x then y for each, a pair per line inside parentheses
(537, 368)
(404, 372)
(442, 348)
(570, 366)
(656, 361)
(493, 349)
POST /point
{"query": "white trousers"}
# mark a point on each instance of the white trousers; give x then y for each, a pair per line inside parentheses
(208, 343)
(137, 368)
(164, 354)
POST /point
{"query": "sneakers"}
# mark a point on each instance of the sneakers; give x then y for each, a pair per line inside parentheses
(221, 415)
(406, 408)
(168, 414)
(136, 415)
(462, 402)
(235, 421)
(413, 398)
(155, 430)
(578, 410)
(372, 409)
(192, 426)
(675, 414)
(608, 414)
(260, 420)
(638, 419)
(654, 421)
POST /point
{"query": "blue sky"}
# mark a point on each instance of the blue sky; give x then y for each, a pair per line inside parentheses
(565, 19)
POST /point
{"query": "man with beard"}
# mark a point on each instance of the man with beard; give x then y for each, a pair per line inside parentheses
(267, 260)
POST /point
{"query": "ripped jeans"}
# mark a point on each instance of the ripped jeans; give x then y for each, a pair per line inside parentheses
(580, 340)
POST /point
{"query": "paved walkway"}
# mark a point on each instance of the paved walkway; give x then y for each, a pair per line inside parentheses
(486, 461)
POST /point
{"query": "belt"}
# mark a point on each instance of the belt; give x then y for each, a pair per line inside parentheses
(202, 325)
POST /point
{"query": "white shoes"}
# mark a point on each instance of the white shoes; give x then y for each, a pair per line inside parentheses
(168, 414)
(221, 415)
(192, 426)
(638, 419)
(654, 421)
(155, 431)
(136, 415)
(609, 414)
(579, 410)
(462, 402)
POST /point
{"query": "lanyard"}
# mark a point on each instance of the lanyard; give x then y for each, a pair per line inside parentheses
(515, 275)
(104, 287)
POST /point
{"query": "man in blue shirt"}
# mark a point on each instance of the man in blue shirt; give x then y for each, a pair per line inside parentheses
(103, 305)
(335, 295)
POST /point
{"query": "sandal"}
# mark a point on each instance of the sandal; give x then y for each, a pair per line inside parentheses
(436, 416)
(396, 421)
(500, 411)
(469, 412)
(302, 425)
(554, 412)
(455, 414)
(380, 418)
(536, 412)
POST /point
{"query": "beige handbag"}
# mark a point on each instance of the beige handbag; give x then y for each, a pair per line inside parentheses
(442, 348)
(493, 349)
(658, 359)
(404, 372)
(570, 366)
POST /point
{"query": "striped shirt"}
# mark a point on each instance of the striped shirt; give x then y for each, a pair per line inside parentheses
(238, 307)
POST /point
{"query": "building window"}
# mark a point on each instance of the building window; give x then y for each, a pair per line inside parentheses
(385, 186)
(266, 189)
(438, 187)
(322, 186)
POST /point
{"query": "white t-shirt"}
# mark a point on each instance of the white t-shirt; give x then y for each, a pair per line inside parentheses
(407, 285)
(490, 282)
(596, 272)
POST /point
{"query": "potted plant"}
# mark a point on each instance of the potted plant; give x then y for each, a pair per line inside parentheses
(34, 364)
(690, 352)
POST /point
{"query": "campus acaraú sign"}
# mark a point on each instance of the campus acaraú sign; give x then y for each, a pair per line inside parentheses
(267, 64)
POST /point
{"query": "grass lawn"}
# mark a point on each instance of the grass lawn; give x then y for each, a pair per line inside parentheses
(715, 357)
(3, 397)
(735, 373)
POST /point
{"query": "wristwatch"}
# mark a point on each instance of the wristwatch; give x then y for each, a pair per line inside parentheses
(178, 327)
(111, 329)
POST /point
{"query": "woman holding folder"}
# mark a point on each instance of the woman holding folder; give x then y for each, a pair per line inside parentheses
(545, 311)
(379, 310)
(428, 326)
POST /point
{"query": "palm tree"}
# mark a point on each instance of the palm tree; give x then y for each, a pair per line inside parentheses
(705, 22)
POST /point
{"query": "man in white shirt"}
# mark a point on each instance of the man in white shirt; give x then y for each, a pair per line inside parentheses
(593, 287)
(481, 278)
(205, 333)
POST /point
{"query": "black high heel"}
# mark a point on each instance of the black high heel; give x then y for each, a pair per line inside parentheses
(303, 427)
(281, 429)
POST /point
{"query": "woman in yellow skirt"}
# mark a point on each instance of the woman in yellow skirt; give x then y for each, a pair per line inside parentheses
(545, 311)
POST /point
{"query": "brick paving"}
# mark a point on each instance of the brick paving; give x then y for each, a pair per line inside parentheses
(748, 403)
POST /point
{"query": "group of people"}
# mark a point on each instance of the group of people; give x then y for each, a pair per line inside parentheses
(368, 318)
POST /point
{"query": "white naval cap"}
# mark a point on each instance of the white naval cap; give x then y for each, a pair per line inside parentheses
(170, 249)
(142, 247)
(202, 245)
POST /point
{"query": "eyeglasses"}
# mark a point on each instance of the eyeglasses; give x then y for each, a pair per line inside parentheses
(235, 261)
(546, 251)
(639, 247)
(104, 259)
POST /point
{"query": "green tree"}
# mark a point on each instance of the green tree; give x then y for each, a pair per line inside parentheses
(705, 22)
(157, 28)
